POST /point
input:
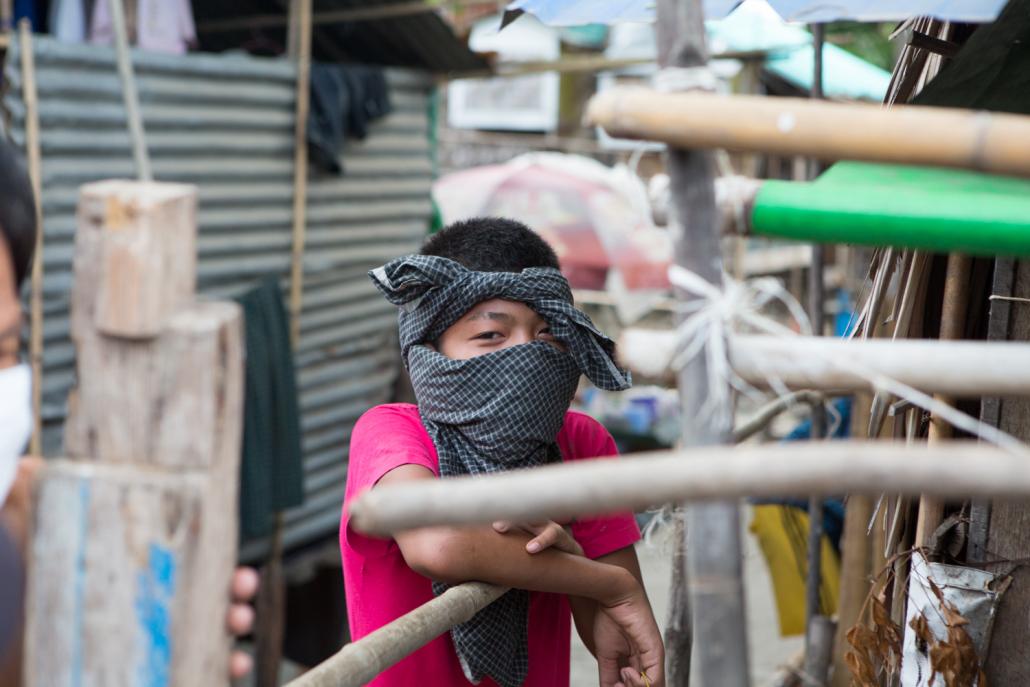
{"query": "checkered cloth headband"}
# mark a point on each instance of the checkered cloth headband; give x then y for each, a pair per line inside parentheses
(433, 292)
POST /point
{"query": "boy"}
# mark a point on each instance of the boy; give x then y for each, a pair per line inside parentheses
(495, 348)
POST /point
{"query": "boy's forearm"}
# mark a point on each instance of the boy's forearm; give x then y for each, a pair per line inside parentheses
(481, 554)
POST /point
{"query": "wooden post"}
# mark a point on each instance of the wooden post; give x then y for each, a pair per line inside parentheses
(953, 324)
(135, 536)
(818, 641)
(715, 614)
(32, 153)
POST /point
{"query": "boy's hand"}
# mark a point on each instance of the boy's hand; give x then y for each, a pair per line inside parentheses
(627, 642)
(546, 535)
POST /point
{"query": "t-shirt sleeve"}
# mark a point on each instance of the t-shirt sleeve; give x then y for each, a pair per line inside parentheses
(384, 438)
(601, 535)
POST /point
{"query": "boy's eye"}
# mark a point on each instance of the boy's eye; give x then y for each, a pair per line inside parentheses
(545, 333)
(488, 336)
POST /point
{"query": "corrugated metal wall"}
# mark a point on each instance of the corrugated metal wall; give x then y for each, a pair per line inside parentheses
(225, 123)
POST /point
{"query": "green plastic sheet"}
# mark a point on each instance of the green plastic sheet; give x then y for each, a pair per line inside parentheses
(934, 209)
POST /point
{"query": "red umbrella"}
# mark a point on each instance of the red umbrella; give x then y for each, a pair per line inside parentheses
(584, 210)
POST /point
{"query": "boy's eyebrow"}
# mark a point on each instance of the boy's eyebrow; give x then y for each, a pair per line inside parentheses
(503, 316)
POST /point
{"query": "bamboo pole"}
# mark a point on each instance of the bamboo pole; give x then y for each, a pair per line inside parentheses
(300, 168)
(271, 601)
(359, 662)
(946, 137)
(714, 612)
(34, 158)
(953, 323)
(131, 98)
(554, 492)
(963, 369)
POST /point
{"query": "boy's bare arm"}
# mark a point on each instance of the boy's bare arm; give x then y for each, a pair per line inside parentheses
(462, 554)
(584, 610)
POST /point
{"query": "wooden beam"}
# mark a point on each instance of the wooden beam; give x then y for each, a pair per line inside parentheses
(35, 164)
(359, 662)
(955, 469)
(965, 369)
(275, 21)
(905, 134)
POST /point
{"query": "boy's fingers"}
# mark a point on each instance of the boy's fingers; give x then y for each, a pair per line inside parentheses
(240, 664)
(547, 537)
(502, 526)
(608, 672)
(240, 619)
(244, 584)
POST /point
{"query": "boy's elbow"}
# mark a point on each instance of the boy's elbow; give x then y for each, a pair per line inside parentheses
(436, 554)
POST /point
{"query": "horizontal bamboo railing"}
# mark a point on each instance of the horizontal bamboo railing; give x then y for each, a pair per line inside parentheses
(959, 469)
(904, 134)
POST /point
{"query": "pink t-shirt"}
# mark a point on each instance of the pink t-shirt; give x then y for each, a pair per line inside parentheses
(381, 587)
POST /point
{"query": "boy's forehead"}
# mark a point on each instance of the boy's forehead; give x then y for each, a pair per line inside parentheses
(499, 308)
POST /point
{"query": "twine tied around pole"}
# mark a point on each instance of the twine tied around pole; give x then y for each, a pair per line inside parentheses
(716, 314)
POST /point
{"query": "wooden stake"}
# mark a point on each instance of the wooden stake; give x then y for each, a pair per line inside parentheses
(905, 134)
(134, 540)
(953, 323)
(32, 152)
(715, 614)
(711, 472)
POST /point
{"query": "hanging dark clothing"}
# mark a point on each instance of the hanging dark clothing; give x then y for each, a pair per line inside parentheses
(272, 469)
(345, 99)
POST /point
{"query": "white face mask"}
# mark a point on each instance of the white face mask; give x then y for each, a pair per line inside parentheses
(15, 421)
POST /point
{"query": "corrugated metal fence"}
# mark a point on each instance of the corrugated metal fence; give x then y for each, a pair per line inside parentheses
(225, 123)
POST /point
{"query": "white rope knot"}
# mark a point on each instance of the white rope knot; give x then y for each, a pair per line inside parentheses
(678, 79)
(717, 314)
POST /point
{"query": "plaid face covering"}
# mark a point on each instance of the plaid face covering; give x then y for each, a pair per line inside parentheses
(494, 412)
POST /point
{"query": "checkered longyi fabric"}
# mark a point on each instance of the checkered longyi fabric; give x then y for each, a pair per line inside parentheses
(494, 412)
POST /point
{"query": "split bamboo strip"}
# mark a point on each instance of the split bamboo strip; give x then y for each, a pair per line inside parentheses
(713, 472)
(358, 662)
(944, 137)
(32, 153)
(963, 369)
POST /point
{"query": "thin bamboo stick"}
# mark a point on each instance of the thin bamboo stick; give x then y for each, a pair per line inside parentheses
(128, 81)
(32, 152)
(997, 143)
(953, 322)
(358, 662)
(964, 369)
(713, 472)
(300, 170)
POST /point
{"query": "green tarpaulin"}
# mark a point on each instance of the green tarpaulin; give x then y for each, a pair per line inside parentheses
(891, 205)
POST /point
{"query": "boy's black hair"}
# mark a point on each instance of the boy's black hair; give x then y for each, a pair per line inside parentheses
(17, 211)
(491, 244)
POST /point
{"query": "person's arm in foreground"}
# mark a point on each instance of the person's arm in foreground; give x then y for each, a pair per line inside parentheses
(625, 630)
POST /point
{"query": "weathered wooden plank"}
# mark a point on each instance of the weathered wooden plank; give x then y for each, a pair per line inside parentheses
(145, 262)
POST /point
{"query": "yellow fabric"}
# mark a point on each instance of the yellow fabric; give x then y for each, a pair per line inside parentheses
(782, 533)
